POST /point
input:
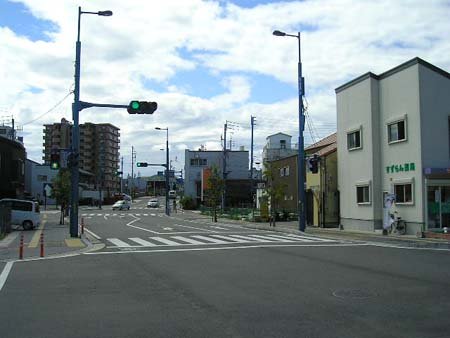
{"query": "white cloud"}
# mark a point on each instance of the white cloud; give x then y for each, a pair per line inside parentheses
(150, 40)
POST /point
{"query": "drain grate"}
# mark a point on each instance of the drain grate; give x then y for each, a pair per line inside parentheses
(354, 293)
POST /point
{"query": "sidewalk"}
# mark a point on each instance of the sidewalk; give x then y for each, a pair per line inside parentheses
(335, 233)
(57, 240)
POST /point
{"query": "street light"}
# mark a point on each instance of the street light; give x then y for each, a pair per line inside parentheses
(167, 168)
(76, 128)
(301, 145)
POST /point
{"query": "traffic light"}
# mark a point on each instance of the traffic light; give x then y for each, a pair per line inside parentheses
(72, 160)
(142, 107)
(55, 163)
(141, 164)
(313, 164)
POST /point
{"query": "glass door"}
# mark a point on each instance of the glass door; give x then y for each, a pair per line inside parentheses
(438, 200)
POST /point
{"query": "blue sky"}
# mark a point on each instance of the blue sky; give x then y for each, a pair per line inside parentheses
(204, 62)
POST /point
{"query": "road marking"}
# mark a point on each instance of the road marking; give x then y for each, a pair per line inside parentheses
(84, 215)
(99, 215)
(141, 241)
(145, 214)
(138, 215)
(218, 228)
(5, 273)
(105, 217)
(167, 228)
(290, 238)
(312, 238)
(229, 238)
(165, 241)
(274, 245)
(91, 215)
(273, 239)
(187, 240)
(37, 236)
(211, 240)
(117, 242)
(188, 226)
(253, 239)
(91, 233)
(114, 214)
(153, 214)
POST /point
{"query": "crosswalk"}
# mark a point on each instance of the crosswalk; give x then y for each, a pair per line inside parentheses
(122, 215)
(212, 239)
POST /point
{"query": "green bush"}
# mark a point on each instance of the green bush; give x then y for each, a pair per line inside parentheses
(188, 203)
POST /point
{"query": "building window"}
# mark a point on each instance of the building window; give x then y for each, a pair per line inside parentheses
(286, 171)
(199, 162)
(354, 140)
(397, 131)
(281, 172)
(42, 178)
(403, 193)
(282, 144)
(363, 194)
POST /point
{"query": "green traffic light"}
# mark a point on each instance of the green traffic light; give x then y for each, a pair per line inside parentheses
(55, 165)
(135, 104)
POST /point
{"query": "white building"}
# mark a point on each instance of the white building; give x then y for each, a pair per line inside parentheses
(277, 146)
(393, 137)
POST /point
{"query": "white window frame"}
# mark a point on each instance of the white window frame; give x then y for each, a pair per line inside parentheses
(409, 181)
(363, 185)
(396, 121)
(281, 172)
(286, 171)
(352, 131)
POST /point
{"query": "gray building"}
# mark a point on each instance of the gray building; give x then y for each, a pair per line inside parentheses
(393, 137)
(277, 146)
(37, 176)
(237, 170)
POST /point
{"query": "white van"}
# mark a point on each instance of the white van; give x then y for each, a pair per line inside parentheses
(23, 212)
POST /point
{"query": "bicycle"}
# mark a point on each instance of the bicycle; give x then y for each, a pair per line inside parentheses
(398, 225)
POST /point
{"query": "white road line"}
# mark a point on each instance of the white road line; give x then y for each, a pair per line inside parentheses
(145, 214)
(117, 242)
(83, 215)
(188, 226)
(312, 238)
(253, 239)
(99, 215)
(187, 240)
(91, 215)
(274, 245)
(219, 228)
(5, 273)
(211, 240)
(138, 215)
(114, 214)
(165, 241)
(229, 238)
(300, 239)
(153, 214)
(273, 238)
(91, 233)
(141, 241)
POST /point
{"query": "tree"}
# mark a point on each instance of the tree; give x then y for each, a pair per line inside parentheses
(214, 190)
(61, 191)
(274, 191)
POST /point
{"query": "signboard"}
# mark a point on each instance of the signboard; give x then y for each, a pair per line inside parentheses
(396, 168)
(389, 199)
(47, 188)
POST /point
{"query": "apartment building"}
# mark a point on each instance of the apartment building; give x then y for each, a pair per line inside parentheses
(277, 146)
(99, 150)
(393, 132)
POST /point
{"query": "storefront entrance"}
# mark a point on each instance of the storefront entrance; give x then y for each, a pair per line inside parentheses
(438, 205)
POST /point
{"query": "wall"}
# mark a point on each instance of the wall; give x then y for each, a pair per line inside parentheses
(354, 112)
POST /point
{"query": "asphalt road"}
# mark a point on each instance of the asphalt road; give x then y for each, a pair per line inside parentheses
(256, 288)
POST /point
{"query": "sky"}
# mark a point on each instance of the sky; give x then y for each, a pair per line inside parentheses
(204, 63)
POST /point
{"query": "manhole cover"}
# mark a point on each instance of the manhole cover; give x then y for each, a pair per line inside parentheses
(354, 293)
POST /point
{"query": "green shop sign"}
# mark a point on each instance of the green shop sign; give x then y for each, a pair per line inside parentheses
(396, 168)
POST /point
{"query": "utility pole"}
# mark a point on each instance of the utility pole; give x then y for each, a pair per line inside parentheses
(252, 123)
(133, 157)
(224, 173)
(121, 175)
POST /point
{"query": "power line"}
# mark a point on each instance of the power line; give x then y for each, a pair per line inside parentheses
(51, 109)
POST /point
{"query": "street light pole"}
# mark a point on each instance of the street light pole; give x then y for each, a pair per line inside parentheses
(76, 128)
(167, 169)
(301, 145)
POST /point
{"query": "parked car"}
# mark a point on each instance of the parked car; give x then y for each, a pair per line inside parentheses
(23, 212)
(153, 203)
(121, 205)
(172, 194)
